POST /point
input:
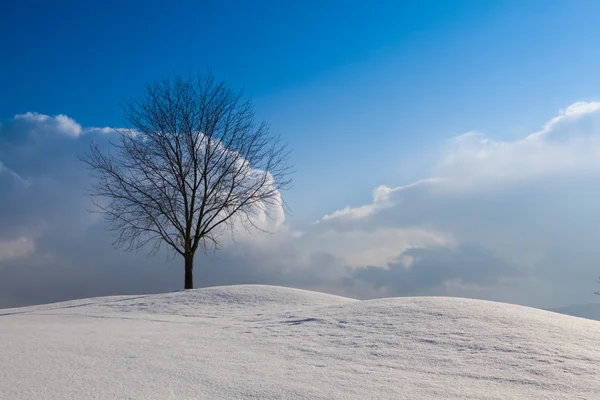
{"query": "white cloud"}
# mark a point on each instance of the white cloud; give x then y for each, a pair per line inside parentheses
(572, 112)
(532, 202)
(60, 124)
(16, 248)
(33, 116)
(568, 143)
(44, 149)
(505, 220)
(381, 200)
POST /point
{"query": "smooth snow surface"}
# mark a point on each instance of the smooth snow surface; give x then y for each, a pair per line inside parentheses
(262, 342)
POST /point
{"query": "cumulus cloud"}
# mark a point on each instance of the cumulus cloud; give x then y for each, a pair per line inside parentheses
(67, 253)
(506, 220)
(568, 143)
(528, 202)
(41, 124)
(574, 112)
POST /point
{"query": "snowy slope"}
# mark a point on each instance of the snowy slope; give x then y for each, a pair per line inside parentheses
(261, 342)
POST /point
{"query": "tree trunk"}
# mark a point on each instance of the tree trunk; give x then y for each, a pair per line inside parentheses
(189, 271)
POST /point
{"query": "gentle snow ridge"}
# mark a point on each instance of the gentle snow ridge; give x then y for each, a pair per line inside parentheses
(265, 342)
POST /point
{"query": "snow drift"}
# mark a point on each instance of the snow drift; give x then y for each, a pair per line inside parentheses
(263, 342)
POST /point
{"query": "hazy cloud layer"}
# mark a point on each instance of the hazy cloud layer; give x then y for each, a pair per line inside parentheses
(506, 220)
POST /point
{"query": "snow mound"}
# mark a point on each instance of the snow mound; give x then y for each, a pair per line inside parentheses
(264, 342)
(194, 302)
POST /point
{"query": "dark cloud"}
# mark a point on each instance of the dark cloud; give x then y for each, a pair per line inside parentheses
(87, 266)
(422, 269)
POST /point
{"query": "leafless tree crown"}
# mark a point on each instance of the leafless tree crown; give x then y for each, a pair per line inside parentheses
(192, 163)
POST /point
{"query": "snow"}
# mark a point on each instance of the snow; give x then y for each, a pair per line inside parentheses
(264, 342)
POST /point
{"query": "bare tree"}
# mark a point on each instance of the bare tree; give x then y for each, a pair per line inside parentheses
(191, 165)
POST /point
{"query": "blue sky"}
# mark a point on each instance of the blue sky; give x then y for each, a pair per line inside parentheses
(387, 79)
(366, 94)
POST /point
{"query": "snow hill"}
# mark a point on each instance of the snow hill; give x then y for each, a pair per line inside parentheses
(263, 342)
